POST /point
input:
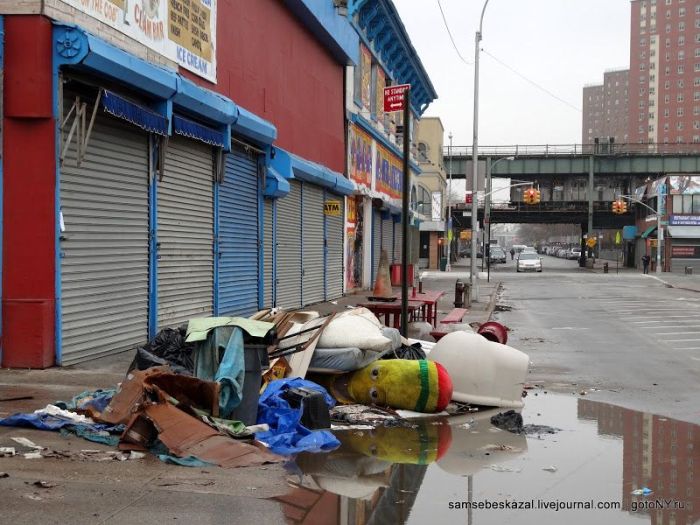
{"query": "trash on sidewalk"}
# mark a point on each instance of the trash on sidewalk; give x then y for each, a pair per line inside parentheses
(41, 484)
(7, 451)
(551, 468)
(510, 421)
(422, 386)
(483, 372)
(287, 434)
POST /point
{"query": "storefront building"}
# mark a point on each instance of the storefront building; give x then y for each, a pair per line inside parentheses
(375, 156)
(156, 173)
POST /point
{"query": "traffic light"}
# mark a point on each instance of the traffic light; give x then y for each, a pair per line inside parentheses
(619, 207)
(531, 196)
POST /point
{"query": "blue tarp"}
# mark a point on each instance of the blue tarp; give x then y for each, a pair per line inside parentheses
(287, 435)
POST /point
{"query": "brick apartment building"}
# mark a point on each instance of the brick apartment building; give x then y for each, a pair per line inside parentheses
(606, 108)
(664, 79)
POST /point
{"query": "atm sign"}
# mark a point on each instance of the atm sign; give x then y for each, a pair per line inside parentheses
(331, 208)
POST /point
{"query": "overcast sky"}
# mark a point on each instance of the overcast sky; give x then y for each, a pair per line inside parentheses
(561, 45)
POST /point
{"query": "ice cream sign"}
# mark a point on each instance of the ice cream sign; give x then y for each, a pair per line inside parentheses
(181, 30)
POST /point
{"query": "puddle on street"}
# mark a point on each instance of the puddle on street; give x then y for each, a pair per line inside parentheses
(434, 472)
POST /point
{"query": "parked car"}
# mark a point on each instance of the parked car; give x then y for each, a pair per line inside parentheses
(497, 254)
(573, 253)
(528, 262)
(561, 252)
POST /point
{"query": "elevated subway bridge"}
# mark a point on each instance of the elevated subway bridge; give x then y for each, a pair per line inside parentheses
(569, 176)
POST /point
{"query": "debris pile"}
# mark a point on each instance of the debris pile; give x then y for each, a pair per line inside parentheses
(232, 391)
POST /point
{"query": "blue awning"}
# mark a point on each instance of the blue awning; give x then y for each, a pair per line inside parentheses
(275, 184)
(140, 116)
(194, 130)
(204, 102)
(254, 127)
(292, 166)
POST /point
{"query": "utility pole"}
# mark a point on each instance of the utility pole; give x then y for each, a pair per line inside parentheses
(474, 283)
(449, 210)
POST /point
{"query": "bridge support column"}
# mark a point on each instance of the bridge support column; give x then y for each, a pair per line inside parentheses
(584, 232)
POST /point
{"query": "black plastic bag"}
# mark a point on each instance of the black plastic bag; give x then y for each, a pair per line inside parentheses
(168, 347)
(413, 352)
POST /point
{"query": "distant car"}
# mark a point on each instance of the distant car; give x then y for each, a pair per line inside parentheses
(561, 252)
(528, 262)
(573, 253)
(497, 255)
(528, 249)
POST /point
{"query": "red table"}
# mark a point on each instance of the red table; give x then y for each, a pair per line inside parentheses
(430, 300)
(394, 307)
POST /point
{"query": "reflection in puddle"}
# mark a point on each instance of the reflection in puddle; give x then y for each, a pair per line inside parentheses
(437, 469)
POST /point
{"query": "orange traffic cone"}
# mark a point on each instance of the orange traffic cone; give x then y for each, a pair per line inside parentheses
(382, 284)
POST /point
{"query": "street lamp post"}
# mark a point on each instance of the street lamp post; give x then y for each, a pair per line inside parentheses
(449, 209)
(487, 209)
(475, 160)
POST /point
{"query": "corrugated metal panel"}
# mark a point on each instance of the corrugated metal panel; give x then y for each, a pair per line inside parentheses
(104, 269)
(313, 241)
(288, 237)
(398, 236)
(268, 256)
(185, 233)
(334, 249)
(376, 243)
(388, 237)
(238, 235)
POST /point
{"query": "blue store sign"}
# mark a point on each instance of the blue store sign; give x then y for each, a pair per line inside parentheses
(684, 220)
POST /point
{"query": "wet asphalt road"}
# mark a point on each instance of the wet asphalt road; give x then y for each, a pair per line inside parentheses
(627, 335)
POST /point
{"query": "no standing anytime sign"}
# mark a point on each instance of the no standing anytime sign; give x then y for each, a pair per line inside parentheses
(395, 97)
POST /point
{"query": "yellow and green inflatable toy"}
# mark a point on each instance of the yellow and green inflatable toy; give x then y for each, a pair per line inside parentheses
(421, 386)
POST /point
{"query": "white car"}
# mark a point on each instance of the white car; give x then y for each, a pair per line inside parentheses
(528, 262)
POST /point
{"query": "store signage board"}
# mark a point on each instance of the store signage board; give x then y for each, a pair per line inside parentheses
(395, 97)
(684, 220)
(331, 208)
(182, 30)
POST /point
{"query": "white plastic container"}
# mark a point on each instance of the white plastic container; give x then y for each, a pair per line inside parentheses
(482, 372)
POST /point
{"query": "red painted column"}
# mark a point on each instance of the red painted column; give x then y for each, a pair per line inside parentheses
(29, 180)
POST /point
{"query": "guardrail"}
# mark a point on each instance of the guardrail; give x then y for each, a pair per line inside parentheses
(539, 150)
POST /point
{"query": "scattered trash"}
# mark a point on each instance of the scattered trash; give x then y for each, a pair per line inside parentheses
(26, 443)
(4, 475)
(7, 452)
(511, 421)
(482, 372)
(642, 492)
(502, 308)
(32, 455)
(422, 386)
(41, 484)
(498, 468)
(18, 398)
(551, 468)
(287, 434)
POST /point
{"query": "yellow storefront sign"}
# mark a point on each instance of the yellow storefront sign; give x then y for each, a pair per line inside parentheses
(331, 208)
(465, 235)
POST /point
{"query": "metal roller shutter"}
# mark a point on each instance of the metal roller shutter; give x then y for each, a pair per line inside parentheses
(238, 235)
(376, 243)
(288, 238)
(334, 251)
(104, 265)
(398, 236)
(185, 233)
(388, 237)
(313, 239)
(268, 239)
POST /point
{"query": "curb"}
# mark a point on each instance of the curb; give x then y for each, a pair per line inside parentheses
(669, 285)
